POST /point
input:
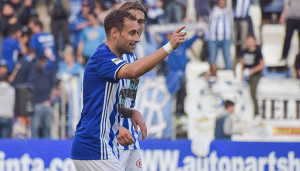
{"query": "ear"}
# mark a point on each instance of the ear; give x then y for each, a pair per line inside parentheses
(114, 33)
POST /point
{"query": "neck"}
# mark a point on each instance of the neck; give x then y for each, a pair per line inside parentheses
(252, 48)
(111, 46)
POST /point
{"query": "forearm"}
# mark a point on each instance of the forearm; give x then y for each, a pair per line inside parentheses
(143, 65)
(80, 48)
(258, 68)
(126, 112)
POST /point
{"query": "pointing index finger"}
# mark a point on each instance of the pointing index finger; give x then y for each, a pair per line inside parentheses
(180, 29)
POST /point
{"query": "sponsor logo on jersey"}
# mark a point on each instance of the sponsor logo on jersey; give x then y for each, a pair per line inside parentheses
(116, 60)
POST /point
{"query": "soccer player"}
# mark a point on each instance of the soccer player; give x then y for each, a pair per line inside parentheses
(130, 155)
(95, 144)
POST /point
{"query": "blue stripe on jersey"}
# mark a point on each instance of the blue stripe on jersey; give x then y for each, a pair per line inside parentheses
(134, 138)
(126, 125)
(104, 117)
(128, 58)
(112, 134)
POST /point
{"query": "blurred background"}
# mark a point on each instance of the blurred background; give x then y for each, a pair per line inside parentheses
(227, 99)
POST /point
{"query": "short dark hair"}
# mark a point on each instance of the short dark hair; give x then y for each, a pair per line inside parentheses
(251, 36)
(38, 23)
(228, 103)
(93, 14)
(136, 5)
(116, 19)
(14, 29)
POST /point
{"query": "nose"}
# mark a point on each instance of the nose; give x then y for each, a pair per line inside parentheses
(137, 38)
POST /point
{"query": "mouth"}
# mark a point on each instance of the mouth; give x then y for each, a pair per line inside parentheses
(133, 45)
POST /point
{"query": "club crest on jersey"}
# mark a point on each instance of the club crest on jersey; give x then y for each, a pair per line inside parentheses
(139, 163)
(116, 60)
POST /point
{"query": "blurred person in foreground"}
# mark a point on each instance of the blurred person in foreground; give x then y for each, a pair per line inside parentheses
(252, 64)
(7, 102)
(224, 123)
(95, 145)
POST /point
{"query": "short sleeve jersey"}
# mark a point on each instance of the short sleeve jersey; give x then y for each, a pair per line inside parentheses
(251, 59)
(96, 133)
(127, 99)
(10, 51)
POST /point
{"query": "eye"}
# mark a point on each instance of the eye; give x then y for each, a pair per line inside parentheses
(141, 21)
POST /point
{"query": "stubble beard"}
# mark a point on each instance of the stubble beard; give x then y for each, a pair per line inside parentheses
(123, 50)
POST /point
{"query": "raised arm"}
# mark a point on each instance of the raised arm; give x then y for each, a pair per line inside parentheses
(145, 64)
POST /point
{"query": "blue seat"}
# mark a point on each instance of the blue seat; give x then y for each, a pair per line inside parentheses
(276, 6)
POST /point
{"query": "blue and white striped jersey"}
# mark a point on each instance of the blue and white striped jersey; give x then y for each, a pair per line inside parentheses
(220, 24)
(97, 131)
(129, 88)
(242, 8)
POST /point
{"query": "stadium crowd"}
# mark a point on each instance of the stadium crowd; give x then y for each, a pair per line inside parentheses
(43, 63)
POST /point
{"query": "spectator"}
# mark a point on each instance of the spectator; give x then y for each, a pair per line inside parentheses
(8, 19)
(41, 79)
(101, 10)
(42, 42)
(252, 64)
(242, 23)
(79, 23)
(224, 123)
(176, 80)
(12, 46)
(220, 33)
(89, 39)
(290, 15)
(202, 10)
(156, 14)
(25, 12)
(297, 66)
(7, 102)
(59, 22)
(211, 76)
(21, 72)
(70, 74)
(173, 9)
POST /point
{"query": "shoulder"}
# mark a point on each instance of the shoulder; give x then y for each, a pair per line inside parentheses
(103, 52)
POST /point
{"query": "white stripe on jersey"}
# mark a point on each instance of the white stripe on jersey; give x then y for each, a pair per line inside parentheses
(106, 126)
(125, 83)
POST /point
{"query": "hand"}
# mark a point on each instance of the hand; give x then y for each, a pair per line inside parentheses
(125, 137)
(49, 54)
(80, 59)
(200, 33)
(282, 19)
(13, 20)
(177, 38)
(137, 120)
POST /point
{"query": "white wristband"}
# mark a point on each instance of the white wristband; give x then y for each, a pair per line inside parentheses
(168, 48)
